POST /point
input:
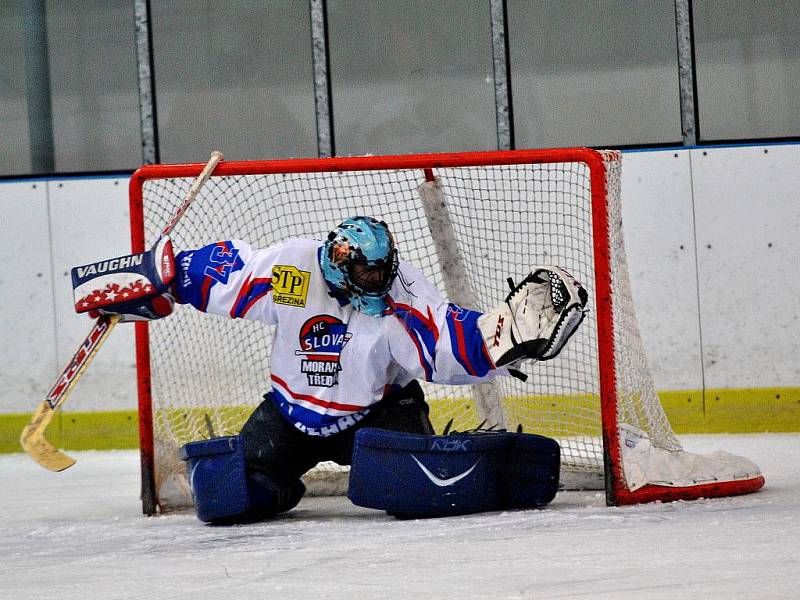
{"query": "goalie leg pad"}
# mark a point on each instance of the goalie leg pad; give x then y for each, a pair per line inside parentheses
(217, 477)
(417, 476)
(532, 471)
(224, 492)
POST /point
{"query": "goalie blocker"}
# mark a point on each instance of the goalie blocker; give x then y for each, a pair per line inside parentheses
(135, 286)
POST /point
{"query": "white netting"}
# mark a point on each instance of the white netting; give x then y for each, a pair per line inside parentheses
(637, 400)
(208, 372)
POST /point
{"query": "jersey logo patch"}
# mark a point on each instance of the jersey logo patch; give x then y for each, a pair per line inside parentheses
(222, 262)
(290, 285)
(440, 481)
(322, 339)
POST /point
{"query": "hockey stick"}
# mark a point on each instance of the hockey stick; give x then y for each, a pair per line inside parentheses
(32, 437)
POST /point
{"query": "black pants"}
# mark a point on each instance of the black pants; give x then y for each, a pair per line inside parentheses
(274, 447)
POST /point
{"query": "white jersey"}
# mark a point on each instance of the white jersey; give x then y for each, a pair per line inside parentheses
(331, 363)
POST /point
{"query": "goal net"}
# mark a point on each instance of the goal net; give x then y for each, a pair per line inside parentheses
(468, 221)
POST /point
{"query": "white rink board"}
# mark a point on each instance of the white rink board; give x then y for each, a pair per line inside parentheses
(27, 352)
(742, 198)
(748, 237)
(53, 227)
(91, 222)
(658, 222)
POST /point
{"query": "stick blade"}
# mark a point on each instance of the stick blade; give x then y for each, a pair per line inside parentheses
(38, 448)
(43, 452)
(32, 437)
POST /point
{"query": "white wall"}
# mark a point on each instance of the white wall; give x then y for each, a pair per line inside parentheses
(47, 227)
(658, 222)
(713, 240)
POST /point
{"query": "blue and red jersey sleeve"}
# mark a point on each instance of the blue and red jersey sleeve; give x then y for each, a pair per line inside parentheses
(436, 341)
(466, 341)
(225, 278)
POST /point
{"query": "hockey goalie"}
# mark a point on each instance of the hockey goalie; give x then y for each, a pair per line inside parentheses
(356, 329)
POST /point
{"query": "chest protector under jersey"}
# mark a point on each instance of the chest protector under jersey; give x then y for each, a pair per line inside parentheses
(330, 362)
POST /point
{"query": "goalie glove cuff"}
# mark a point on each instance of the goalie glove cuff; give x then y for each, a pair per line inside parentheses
(537, 318)
(495, 327)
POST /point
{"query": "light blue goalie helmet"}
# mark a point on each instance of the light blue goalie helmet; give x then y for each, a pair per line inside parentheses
(359, 259)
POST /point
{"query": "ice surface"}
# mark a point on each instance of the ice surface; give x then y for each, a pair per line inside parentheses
(79, 535)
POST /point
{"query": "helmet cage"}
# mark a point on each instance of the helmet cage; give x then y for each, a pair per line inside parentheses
(348, 267)
(371, 277)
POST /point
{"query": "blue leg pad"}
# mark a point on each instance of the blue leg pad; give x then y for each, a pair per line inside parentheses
(224, 492)
(413, 475)
(217, 476)
(532, 470)
(410, 475)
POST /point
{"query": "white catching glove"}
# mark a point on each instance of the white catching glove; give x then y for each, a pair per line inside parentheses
(537, 318)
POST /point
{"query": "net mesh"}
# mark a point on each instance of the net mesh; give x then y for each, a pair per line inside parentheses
(637, 400)
(208, 373)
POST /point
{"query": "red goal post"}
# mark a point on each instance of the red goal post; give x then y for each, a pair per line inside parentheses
(469, 221)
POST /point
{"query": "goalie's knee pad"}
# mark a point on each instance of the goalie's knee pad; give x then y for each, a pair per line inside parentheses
(224, 492)
(410, 475)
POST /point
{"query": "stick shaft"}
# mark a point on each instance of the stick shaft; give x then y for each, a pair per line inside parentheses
(32, 437)
(198, 183)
